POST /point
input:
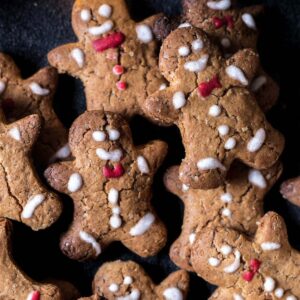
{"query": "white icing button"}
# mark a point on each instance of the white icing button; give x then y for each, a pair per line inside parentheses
(144, 33)
(142, 225)
(257, 141)
(185, 25)
(75, 182)
(257, 179)
(230, 144)
(162, 87)
(115, 221)
(78, 55)
(143, 165)
(226, 212)
(2, 87)
(269, 285)
(113, 134)
(214, 111)
(238, 297)
(269, 246)
(128, 280)
(184, 51)
(104, 28)
(192, 238)
(179, 100)
(223, 130)
(225, 42)
(197, 65)
(113, 287)
(214, 262)
(235, 265)
(99, 136)
(257, 83)
(173, 293)
(249, 21)
(279, 292)
(113, 196)
(85, 15)
(114, 155)
(197, 45)
(237, 74)
(219, 5)
(105, 11)
(226, 198)
(15, 133)
(210, 163)
(31, 206)
(86, 237)
(226, 250)
(38, 90)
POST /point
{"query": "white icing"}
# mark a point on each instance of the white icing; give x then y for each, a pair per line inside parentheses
(162, 87)
(128, 280)
(226, 212)
(237, 74)
(214, 262)
(86, 237)
(197, 65)
(105, 11)
(249, 21)
(115, 221)
(226, 198)
(144, 33)
(270, 246)
(116, 210)
(78, 55)
(185, 188)
(279, 293)
(114, 155)
(257, 141)
(226, 250)
(113, 287)
(192, 238)
(85, 15)
(257, 83)
(2, 86)
(291, 297)
(235, 265)
(113, 134)
(197, 45)
(104, 28)
(238, 297)
(257, 179)
(99, 136)
(142, 225)
(179, 100)
(210, 163)
(38, 90)
(230, 144)
(31, 206)
(134, 295)
(185, 25)
(173, 293)
(75, 182)
(143, 165)
(113, 196)
(184, 51)
(269, 285)
(223, 130)
(225, 42)
(219, 5)
(15, 133)
(214, 111)
(63, 152)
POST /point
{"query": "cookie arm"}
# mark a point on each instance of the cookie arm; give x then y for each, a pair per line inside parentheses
(8, 68)
(290, 190)
(172, 182)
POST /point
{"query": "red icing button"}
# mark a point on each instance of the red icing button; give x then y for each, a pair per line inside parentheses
(118, 70)
(114, 172)
(225, 21)
(254, 265)
(206, 88)
(248, 276)
(8, 105)
(113, 40)
(121, 85)
(35, 295)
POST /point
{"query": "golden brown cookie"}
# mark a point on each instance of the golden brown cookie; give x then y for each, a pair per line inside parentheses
(23, 97)
(110, 183)
(15, 285)
(290, 190)
(238, 204)
(115, 58)
(266, 267)
(22, 195)
(208, 99)
(121, 280)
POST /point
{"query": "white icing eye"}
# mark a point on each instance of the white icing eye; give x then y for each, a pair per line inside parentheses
(214, 262)
(105, 11)
(128, 280)
(184, 51)
(85, 15)
(113, 287)
(144, 33)
(226, 250)
(197, 45)
(179, 100)
(99, 136)
(113, 134)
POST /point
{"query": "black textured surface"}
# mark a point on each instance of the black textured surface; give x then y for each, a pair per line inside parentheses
(29, 29)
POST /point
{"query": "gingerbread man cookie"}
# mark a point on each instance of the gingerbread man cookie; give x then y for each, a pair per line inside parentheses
(208, 100)
(23, 197)
(121, 280)
(23, 97)
(238, 204)
(115, 58)
(110, 183)
(266, 267)
(290, 190)
(15, 285)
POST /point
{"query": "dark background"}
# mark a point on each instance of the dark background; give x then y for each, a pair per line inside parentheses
(29, 29)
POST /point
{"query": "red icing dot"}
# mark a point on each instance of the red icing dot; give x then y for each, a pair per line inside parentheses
(121, 85)
(248, 276)
(35, 295)
(254, 265)
(8, 105)
(229, 21)
(218, 22)
(206, 88)
(225, 21)
(118, 70)
(114, 172)
(113, 40)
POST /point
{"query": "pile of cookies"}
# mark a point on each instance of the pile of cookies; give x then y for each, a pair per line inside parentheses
(208, 81)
